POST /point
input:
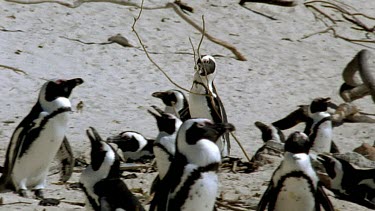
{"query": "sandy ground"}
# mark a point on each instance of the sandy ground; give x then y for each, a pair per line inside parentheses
(282, 71)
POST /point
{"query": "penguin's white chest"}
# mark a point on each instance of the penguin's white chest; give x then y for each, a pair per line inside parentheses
(202, 193)
(323, 138)
(32, 167)
(199, 107)
(295, 195)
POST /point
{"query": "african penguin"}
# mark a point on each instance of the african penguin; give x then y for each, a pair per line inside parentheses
(349, 183)
(204, 102)
(37, 139)
(101, 181)
(319, 125)
(270, 132)
(175, 103)
(192, 182)
(294, 184)
(135, 147)
(165, 143)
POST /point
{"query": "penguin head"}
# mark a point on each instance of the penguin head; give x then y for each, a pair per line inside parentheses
(319, 105)
(206, 68)
(196, 140)
(166, 122)
(54, 89)
(171, 97)
(102, 154)
(129, 141)
(270, 132)
(297, 142)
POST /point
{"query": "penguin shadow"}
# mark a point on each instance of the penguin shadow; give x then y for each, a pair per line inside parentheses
(101, 180)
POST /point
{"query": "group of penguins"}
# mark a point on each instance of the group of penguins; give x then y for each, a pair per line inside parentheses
(193, 139)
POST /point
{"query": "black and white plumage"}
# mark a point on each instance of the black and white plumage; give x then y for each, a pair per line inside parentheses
(134, 146)
(349, 183)
(319, 125)
(165, 142)
(294, 184)
(37, 139)
(192, 182)
(206, 103)
(101, 181)
(175, 103)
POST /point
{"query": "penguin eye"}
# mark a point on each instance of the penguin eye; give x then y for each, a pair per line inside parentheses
(60, 81)
(201, 124)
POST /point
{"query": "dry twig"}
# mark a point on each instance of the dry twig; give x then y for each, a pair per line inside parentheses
(16, 70)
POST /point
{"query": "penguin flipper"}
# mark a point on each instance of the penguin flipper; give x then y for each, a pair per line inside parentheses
(65, 157)
(267, 196)
(292, 119)
(323, 199)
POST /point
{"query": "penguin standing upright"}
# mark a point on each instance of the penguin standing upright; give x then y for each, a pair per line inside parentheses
(165, 143)
(319, 125)
(101, 180)
(175, 103)
(37, 139)
(134, 146)
(192, 182)
(204, 102)
(294, 184)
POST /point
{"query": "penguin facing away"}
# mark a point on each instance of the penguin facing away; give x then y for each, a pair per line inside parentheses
(192, 182)
(206, 103)
(175, 103)
(349, 183)
(101, 181)
(37, 139)
(294, 184)
(135, 147)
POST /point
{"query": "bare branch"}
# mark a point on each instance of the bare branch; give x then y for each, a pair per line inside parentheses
(16, 70)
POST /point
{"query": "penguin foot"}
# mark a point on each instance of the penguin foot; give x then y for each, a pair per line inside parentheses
(49, 202)
(39, 194)
(22, 193)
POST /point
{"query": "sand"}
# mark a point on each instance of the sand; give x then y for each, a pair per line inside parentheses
(282, 71)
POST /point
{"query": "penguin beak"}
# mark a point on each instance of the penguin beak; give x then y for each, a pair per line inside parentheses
(114, 139)
(159, 95)
(74, 82)
(217, 129)
(94, 137)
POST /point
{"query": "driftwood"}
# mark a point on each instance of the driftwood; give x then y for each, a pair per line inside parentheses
(284, 3)
(353, 88)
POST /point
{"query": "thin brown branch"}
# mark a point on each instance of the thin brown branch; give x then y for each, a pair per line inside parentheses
(16, 70)
(320, 11)
(238, 55)
(315, 33)
(148, 55)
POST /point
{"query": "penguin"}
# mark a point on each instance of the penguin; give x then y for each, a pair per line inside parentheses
(66, 159)
(175, 103)
(135, 147)
(101, 182)
(270, 132)
(165, 143)
(37, 139)
(192, 181)
(319, 125)
(294, 184)
(349, 183)
(204, 102)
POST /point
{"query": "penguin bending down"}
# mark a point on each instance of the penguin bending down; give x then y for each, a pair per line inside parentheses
(37, 139)
(175, 103)
(204, 102)
(101, 181)
(134, 146)
(349, 183)
(192, 182)
(294, 184)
